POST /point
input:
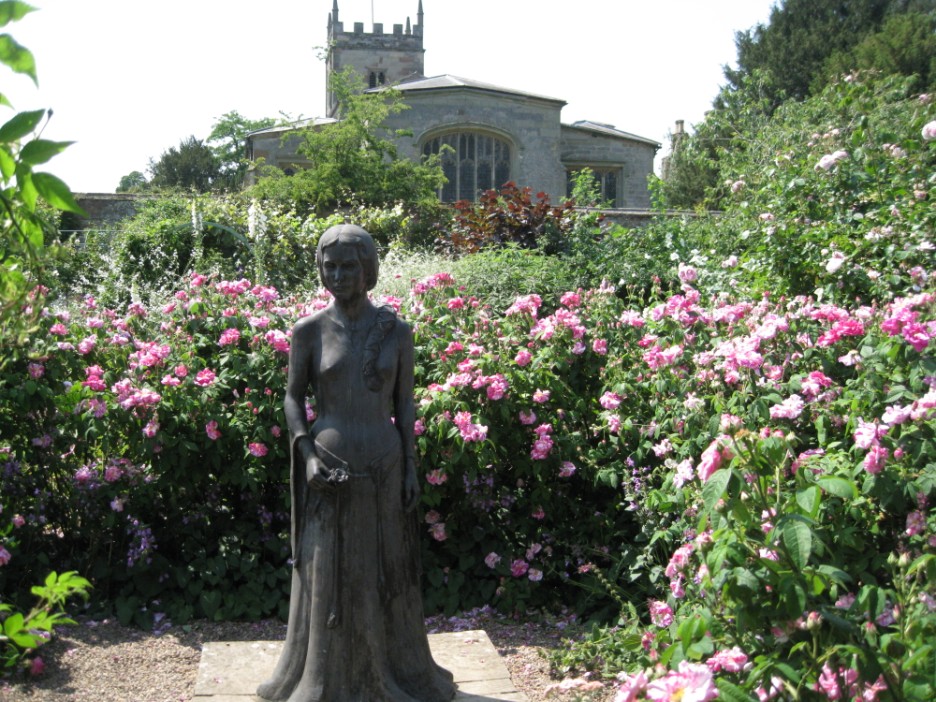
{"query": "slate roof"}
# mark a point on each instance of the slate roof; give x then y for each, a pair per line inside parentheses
(609, 130)
(449, 81)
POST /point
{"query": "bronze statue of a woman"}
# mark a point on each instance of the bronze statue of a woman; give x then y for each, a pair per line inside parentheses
(356, 630)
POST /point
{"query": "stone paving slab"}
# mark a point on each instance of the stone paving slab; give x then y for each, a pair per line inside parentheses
(230, 671)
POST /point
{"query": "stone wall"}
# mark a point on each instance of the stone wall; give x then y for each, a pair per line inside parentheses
(102, 210)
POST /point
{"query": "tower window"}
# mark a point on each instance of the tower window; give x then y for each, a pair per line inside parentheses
(472, 162)
(377, 78)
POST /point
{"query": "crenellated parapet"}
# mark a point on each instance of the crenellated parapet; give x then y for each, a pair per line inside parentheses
(380, 57)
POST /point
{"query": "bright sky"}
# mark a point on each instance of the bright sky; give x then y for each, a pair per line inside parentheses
(127, 79)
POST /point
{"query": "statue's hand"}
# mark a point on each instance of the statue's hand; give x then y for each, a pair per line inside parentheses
(410, 487)
(317, 474)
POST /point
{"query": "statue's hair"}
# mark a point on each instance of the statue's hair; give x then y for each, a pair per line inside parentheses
(363, 243)
(357, 237)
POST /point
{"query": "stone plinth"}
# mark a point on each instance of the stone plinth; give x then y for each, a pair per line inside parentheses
(230, 671)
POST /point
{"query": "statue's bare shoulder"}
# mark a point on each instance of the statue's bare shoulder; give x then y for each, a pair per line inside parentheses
(308, 328)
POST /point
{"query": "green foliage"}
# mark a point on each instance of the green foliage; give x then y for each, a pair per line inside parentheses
(24, 193)
(192, 166)
(28, 198)
(353, 160)
(905, 45)
(133, 182)
(22, 634)
(228, 140)
(806, 47)
(800, 36)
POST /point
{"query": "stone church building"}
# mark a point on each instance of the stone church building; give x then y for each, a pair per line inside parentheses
(496, 134)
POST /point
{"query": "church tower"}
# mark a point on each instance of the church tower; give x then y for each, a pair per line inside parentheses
(380, 58)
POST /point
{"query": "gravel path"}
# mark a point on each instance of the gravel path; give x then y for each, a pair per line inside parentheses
(105, 662)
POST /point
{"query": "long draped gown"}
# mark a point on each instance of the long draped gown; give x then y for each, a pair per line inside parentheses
(356, 629)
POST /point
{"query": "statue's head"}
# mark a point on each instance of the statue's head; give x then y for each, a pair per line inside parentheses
(353, 236)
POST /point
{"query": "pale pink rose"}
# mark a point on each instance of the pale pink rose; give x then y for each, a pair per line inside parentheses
(868, 433)
(929, 131)
(631, 686)
(438, 531)
(660, 613)
(523, 357)
(436, 477)
(916, 523)
(731, 660)
(691, 682)
(257, 449)
(519, 568)
(229, 337)
(687, 274)
(205, 377)
(610, 400)
(875, 458)
(710, 460)
(835, 262)
(211, 429)
(790, 408)
(492, 559)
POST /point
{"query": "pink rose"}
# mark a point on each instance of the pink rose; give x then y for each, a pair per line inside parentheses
(205, 377)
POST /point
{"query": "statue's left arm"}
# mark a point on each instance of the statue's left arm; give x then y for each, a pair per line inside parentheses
(404, 408)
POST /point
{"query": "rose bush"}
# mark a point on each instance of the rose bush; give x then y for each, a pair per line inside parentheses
(736, 453)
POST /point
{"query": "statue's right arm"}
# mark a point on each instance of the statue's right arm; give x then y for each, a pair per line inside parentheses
(297, 385)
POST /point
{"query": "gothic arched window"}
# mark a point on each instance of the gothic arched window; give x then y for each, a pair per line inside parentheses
(471, 161)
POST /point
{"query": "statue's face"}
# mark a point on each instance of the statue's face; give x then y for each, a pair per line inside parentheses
(343, 272)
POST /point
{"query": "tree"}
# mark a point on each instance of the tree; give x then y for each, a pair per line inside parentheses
(906, 45)
(353, 160)
(806, 45)
(133, 182)
(191, 166)
(228, 140)
(800, 36)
